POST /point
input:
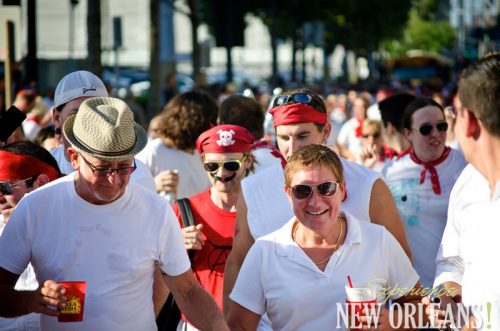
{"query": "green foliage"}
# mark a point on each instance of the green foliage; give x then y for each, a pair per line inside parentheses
(422, 34)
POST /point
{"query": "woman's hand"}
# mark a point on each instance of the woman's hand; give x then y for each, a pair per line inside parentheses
(382, 322)
(167, 181)
(193, 237)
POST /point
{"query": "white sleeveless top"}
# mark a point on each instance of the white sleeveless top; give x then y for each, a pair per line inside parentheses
(268, 208)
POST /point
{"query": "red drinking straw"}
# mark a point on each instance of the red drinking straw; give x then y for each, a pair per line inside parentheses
(349, 280)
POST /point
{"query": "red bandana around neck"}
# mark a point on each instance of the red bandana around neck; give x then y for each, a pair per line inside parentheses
(359, 128)
(431, 167)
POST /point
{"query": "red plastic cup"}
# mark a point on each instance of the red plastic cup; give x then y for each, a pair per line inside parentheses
(75, 294)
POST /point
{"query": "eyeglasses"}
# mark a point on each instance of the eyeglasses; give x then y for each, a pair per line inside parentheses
(426, 129)
(304, 191)
(374, 135)
(293, 98)
(105, 172)
(229, 165)
(7, 187)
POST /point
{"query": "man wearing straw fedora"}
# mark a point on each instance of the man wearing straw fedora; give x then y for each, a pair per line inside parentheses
(95, 226)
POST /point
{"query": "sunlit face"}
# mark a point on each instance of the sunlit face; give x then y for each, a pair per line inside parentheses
(372, 136)
(359, 107)
(224, 180)
(428, 148)
(292, 137)
(96, 189)
(317, 212)
(9, 201)
(59, 117)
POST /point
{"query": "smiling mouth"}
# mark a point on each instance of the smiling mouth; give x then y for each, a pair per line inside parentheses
(317, 213)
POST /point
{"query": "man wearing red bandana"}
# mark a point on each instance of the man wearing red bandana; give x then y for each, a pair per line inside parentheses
(225, 151)
(24, 166)
(300, 119)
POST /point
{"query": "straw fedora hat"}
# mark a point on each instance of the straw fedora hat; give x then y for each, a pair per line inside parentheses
(104, 128)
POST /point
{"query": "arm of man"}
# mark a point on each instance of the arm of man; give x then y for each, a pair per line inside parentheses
(160, 291)
(242, 319)
(199, 307)
(17, 303)
(383, 211)
(242, 242)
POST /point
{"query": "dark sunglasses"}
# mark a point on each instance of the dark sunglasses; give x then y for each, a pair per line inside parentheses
(6, 187)
(229, 165)
(293, 98)
(304, 191)
(374, 135)
(426, 129)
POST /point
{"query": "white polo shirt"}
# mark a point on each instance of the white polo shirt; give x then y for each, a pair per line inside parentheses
(279, 279)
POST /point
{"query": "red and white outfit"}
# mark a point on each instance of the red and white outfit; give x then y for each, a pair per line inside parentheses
(350, 135)
(421, 194)
(469, 246)
(218, 230)
(266, 155)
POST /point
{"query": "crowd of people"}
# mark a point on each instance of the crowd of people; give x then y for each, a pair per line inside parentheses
(395, 190)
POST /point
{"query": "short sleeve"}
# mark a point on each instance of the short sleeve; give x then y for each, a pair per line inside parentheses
(400, 270)
(248, 290)
(173, 259)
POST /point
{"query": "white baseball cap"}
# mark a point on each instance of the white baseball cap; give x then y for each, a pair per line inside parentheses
(78, 84)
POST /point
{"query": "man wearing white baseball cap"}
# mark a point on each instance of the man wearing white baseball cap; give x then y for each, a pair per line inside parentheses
(101, 229)
(72, 90)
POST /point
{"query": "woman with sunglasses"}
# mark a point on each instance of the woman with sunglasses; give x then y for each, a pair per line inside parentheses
(297, 274)
(225, 152)
(421, 182)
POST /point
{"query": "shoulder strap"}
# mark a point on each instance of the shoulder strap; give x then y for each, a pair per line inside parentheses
(187, 218)
(186, 212)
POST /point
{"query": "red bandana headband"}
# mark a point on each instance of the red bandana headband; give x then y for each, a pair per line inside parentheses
(297, 113)
(225, 138)
(15, 167)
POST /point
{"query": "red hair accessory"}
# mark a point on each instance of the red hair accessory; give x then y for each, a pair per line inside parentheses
(297, 113)
(15, 166)
(225, 138)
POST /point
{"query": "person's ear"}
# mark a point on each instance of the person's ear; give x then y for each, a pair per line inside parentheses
(342, 188)
(325, 133)
(41, 180)
(73, 158)
(55, 118)
(288, 192)
(473, 127)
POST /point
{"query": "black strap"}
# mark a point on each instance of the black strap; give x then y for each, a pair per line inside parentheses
(187, 218)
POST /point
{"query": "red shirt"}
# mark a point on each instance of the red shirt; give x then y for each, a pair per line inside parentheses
(218, 231)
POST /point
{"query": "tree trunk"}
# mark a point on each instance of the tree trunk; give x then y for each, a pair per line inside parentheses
(94, 36)
(195, 22)
(154, 59)
(31, 58)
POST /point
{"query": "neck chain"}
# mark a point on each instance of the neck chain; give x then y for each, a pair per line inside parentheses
(335, 246)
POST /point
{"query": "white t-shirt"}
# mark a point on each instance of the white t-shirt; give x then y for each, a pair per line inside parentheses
(422, 210)
(192, 177)
(141, 175)
(113, 247)
(470, 243)
(26, 282)
(268, 206)
(347, 136)
(278, 278)
(265, 156)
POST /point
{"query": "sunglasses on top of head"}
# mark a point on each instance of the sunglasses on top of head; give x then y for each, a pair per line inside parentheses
(301, 97)
(229, 165)
(304, 191)
(426, 129)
